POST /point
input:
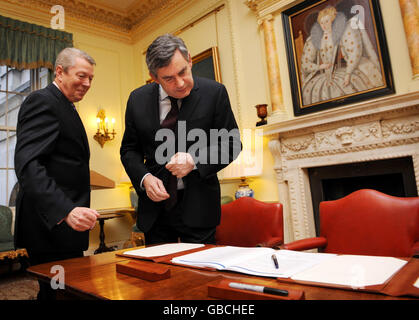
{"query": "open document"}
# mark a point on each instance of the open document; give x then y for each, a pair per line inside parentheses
(354, 271)
(254, 261)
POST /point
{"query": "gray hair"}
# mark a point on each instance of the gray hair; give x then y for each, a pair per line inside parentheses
(66, 58)
(160, 52)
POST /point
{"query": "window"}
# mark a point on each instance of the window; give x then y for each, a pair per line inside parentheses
(15, 85)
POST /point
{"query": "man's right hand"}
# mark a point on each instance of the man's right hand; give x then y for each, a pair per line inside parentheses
(155, 189)
(82, 219)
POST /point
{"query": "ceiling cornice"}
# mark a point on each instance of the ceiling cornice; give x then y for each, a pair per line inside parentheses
(93, 12)
(266, 7)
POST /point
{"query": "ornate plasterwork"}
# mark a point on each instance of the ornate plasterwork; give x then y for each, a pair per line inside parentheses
(265, 7)
(93, 12)
(406, 126)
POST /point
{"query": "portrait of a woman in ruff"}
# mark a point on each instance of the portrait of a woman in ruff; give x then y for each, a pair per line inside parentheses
(336, 52)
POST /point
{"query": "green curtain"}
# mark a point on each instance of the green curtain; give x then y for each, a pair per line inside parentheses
(28, 46)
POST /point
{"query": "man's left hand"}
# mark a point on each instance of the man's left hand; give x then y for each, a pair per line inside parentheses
(181, 164)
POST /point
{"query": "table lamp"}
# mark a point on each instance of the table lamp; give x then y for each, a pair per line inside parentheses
(242, 168)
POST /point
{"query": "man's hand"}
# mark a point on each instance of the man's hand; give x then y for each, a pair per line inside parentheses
(181, 164)
(82, 219)
(155, 189)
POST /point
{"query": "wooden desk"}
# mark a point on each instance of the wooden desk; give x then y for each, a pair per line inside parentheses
(95, 277)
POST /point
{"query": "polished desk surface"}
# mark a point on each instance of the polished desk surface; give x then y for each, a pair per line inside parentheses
(95, 277)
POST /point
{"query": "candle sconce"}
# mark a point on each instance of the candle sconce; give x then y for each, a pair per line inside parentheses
(262, 112)
(103, 133)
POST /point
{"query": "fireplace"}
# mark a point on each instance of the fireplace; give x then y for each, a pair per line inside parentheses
(394, 177)
(329, 154)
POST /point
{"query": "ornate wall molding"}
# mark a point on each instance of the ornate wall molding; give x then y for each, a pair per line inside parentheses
(400, 127)
(265, 7)
(236, 63)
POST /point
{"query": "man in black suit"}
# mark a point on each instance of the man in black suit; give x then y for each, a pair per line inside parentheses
(53, 218)
(180, 131)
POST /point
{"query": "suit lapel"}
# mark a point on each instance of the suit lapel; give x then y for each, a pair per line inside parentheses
(82, 131)
(189, 103)
(72, 115)
(154, 106)
(153, 113)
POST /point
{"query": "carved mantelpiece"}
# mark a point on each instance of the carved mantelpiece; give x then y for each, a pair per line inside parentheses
(384, 129)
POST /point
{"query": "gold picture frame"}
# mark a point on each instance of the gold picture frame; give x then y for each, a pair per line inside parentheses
(207, 64)
(347, 64)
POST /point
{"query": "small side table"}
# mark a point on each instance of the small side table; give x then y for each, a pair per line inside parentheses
(102, 218)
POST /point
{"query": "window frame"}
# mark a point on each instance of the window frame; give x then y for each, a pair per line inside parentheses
(10, 130)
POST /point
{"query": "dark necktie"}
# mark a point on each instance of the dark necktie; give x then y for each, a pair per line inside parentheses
(171, 118)
(170, 123)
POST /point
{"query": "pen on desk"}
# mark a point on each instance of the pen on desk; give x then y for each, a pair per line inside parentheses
(244, 286)
(275, 261)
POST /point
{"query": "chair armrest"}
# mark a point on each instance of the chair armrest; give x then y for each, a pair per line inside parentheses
(273, 242)
(306, 244)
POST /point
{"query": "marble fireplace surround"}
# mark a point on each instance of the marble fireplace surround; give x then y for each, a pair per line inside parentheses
(374, 130)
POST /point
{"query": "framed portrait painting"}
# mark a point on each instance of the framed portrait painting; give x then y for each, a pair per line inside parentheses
(337, 53)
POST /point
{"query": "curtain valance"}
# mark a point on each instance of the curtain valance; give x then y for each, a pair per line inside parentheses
(28, 46)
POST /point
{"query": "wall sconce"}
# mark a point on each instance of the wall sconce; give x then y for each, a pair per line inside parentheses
(103, 133)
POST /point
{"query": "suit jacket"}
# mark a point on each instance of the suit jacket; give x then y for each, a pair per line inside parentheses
(52, 167)
(207, 107)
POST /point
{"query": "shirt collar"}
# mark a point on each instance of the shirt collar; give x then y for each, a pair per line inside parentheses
(56, 85)
(72, 104)
(163, 94)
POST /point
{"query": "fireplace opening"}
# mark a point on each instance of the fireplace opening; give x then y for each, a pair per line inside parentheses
(394, 177)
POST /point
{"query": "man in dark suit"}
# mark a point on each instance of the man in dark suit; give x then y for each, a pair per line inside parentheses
(180, 131)
(53, 218)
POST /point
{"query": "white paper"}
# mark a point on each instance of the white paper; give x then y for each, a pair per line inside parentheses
(416, 284)
(289, 263)
(255, 261)
(219, 257)
(163, 250)
(352, 270)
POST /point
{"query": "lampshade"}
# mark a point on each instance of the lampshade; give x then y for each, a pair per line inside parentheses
(249, 163)
(246, 165)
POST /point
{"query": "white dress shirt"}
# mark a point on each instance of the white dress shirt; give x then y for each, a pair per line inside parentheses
(164, 108)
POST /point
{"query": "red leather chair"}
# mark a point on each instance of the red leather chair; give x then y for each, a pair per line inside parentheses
(366, 222)
(247, 222)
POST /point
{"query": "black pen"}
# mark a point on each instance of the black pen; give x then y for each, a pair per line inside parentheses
(244, 286)
(275, 261)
